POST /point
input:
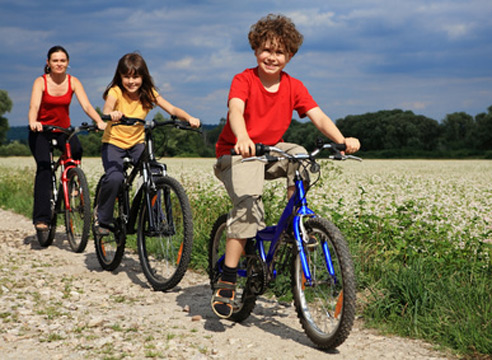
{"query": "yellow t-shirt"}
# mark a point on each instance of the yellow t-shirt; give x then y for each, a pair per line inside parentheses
(125, 137)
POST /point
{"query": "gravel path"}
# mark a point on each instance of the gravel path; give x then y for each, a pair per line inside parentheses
(55, 304)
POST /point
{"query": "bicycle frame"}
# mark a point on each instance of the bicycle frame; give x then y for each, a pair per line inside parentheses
(131, 208)
(65, 162)
(142, 166)
(297, 205)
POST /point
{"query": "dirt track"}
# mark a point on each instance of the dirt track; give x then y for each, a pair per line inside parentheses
(55, 304)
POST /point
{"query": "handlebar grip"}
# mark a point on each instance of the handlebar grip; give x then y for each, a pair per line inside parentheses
(340, 147)
(106, 117)
(260, 150)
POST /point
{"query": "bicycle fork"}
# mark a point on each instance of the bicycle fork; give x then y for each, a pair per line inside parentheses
(302, 237)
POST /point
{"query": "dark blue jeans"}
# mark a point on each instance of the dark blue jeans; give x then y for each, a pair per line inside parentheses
(39, 143)
(112, 158)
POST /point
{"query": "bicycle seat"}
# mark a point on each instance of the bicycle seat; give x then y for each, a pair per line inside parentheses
(127, 162)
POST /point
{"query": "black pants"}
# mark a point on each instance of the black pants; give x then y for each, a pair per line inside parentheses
(112, 157)
(39, 142)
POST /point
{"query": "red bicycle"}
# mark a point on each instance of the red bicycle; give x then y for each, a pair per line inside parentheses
(72, 191)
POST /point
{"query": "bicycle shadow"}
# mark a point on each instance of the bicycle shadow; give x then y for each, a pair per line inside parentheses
(129, 266)
(60, 241)
(268, 315)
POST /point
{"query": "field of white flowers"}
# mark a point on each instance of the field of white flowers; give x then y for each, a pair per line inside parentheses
(459, 190)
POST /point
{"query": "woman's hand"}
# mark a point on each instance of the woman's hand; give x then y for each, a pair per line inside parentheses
(36, 126)
(101, 125)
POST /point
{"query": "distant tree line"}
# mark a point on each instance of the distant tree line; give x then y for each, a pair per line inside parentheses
(402, 134)
(383, 134)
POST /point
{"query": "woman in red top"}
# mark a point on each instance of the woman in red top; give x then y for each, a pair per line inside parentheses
(50, 102)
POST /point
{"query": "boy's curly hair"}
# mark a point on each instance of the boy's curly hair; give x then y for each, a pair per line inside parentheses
(275, 28)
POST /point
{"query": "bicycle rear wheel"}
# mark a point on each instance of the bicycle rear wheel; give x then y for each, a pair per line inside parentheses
(110, 248)
(326, 307)
(78, 218)
(165, 251)
(245, 299)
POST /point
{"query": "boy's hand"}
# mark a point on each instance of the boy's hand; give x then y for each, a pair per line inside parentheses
(245, 147)
(353, 145)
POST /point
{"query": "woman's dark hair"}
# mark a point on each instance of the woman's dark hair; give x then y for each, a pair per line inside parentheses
(134, 64)
(54, 49)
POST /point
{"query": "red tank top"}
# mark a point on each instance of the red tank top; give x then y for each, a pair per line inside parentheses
(54, 110)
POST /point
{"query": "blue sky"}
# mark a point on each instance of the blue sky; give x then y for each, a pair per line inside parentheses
(431, 57)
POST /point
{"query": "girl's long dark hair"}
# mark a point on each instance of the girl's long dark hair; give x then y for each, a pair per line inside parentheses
(134, 64)
(51, 51)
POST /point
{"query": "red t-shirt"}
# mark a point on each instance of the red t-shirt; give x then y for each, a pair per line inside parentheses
(54, 110)
(267, 115)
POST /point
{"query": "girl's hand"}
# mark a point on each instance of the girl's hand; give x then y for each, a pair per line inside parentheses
(116, 115)
(194, 122)
(36, 126)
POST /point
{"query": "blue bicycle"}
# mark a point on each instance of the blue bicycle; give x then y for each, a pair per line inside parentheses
(322, 273)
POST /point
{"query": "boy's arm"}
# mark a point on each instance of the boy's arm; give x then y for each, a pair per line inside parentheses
(244, 145)
(324, 124)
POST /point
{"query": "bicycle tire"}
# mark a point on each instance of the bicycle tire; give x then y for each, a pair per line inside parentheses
(45, 238)
(326, 309)
(78, 219)
(110, 248)
(165, 251)
(245, 299)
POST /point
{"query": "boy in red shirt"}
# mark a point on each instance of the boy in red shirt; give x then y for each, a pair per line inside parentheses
(261, 102)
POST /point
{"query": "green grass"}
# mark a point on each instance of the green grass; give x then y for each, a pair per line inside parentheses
(420, 274)
(16, 190)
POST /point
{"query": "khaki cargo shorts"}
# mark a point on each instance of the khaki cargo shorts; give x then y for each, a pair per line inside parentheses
(244, 183)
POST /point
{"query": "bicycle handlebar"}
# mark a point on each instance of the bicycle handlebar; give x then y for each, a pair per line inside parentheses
(129, 121)
(263, 153)
(70, 131)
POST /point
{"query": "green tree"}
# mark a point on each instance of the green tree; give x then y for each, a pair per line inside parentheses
(5, 106)
(457, 131)
(392, 130)
(483, 130)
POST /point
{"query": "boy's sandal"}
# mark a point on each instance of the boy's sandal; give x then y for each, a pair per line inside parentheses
(223, 302)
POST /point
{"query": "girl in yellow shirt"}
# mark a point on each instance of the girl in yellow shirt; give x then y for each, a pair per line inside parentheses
(131, 93)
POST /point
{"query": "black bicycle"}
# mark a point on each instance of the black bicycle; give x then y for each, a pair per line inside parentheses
(159, 213)
(71, 191)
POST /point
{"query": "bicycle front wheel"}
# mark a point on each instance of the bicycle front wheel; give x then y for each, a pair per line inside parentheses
(165, 249)
(78, 217)
(326, 305)
(110, 248)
